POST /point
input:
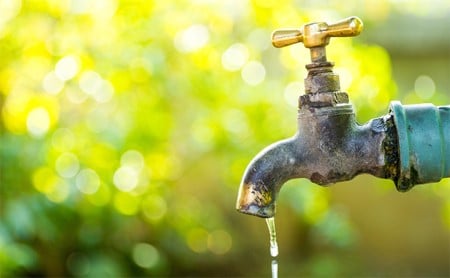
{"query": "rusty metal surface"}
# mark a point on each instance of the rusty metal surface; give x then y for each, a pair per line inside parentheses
(329, 147)
(409, 145)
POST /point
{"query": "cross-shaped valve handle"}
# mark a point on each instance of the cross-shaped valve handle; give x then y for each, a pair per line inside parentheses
(317, 35)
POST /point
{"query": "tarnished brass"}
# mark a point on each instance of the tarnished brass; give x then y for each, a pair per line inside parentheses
(317, 34)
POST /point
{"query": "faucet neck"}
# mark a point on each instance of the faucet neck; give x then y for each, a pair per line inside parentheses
(318, 54)
(322, 87)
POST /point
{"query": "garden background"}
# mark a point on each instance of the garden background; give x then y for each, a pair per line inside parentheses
(126, 127)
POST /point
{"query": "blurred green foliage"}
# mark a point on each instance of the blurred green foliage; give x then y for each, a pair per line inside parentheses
(126, 127)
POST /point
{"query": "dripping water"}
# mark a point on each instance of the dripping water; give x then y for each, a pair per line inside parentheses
(273, 236)
(274, 269)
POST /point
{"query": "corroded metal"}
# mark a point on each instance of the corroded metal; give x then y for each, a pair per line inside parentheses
(410, 145)
(321, 79)
(329, 147)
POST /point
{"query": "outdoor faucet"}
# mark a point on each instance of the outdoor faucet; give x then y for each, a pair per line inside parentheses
(410, 145)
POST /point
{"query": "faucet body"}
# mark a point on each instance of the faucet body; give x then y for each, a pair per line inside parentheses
(330, 146)
(410, 145)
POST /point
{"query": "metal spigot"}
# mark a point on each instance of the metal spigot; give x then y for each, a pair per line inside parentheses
(409, 145)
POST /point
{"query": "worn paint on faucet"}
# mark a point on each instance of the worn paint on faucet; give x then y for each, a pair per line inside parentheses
(424, 143)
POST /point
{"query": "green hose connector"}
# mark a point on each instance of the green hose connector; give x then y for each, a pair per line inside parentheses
(423, 132)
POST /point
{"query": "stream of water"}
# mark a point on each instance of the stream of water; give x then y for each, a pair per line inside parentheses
(274, 266)
(273, 236)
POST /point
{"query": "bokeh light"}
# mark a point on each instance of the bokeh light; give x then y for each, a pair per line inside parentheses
(235, 57)
(192, 39)
(145, 255)
(424, 87)
(219, 242)
(66, 68)
(38, 122)
(253, 73)
(87, 181)
(67, 165)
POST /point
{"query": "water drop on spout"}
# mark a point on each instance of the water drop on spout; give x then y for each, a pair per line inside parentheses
(273, 237)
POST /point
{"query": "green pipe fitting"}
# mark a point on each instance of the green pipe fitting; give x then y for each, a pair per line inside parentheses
(423, 132)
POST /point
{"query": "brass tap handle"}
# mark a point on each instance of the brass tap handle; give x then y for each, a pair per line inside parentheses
(317, 34)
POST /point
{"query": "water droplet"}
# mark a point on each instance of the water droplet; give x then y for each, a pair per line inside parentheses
(273, 236)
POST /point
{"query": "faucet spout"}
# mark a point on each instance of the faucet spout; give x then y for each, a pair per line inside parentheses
(263, 178)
